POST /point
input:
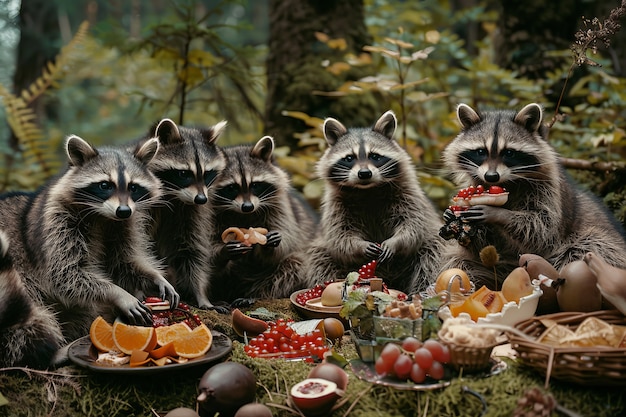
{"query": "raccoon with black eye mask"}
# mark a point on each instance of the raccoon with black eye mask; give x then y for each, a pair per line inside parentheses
(252, 191)
(187, 164)
(546, 213)
(373, 208)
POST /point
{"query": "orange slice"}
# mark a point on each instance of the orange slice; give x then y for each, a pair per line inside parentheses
(167, 334)
(194, 344)
(128, 338)
(164, 351)
(101, 335)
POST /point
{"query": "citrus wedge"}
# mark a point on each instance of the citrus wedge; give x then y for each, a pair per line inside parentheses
(167, 334)
(194, 344)
(101, 335)
(129, 338)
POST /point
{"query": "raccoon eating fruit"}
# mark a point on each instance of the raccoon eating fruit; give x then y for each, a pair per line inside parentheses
(373, 208)
(545, 214)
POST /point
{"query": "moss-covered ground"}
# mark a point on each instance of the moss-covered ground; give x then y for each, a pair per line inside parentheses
(73, 391)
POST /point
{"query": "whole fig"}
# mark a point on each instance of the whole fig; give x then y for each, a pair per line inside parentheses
(225, 388)
(577, 289)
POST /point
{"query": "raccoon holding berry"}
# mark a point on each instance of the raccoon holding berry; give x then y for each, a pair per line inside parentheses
(373, 208)
(546, 214)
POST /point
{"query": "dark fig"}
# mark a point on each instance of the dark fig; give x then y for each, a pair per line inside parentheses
(182, 412)
(254, 410)
(225, 388)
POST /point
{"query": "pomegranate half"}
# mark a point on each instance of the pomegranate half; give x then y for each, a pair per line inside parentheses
(315, 396)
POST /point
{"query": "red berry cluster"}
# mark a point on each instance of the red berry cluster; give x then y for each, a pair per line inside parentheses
(166, 317)
(479, 189)
(413, 360)
(311, 293)
(368, 270)
(281, 341)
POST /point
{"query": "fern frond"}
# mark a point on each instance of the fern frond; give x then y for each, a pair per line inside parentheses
(55, 70)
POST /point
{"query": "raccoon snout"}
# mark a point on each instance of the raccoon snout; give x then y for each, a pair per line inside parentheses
(492, 176)
(123, 212)
(364, 174)
(200, 199)
(247, 207)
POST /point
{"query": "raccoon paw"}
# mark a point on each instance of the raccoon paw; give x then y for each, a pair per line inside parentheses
(217, 308)
(386, 254)
(242, 302)
(373, 250)
(235, 249)
(273, 239)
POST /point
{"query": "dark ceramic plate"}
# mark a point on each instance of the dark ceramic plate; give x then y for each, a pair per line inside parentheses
(84, 354)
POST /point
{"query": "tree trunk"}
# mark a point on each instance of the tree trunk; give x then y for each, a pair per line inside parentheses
(39, 44)
(294, 64)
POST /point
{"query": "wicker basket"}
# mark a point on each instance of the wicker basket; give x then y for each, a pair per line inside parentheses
(469, 359)
(592, 366)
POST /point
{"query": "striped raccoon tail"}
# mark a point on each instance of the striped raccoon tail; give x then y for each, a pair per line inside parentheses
(29, 334)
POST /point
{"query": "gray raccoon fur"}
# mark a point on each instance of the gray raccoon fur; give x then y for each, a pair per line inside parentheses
(373, 208)
(546, 214)
(187, 164)
(80, 242)
(252, 191)
(29, 333)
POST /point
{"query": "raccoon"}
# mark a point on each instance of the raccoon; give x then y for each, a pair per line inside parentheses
(80, 242)
(252, 191)
(29, 333)
(187, 164)
(546, 214)
(373, 208)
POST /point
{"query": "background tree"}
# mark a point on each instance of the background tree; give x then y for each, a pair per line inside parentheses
(294, 64)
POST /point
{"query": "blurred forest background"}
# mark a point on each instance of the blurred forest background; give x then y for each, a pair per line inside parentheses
(107, 69)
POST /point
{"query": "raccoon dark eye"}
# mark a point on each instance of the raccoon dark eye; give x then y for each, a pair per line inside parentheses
(348, 158)
(375, 157)
(509, 153)
(259, 188)
(106, 186)
(137, 191)
(230, 192)
(185, 174)
(209, 177)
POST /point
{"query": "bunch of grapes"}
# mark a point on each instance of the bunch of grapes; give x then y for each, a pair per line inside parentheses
(280, 340)
(311, 293)
(413, 360)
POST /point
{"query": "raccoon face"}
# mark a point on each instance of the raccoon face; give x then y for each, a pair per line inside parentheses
(361, 158)
(109, 182)
(250, 182)
(499, 147)
(188, 162)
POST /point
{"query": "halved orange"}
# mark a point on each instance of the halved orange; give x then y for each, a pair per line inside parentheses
(128, 338)
(101, 335)
(194, 344)
(167, 334)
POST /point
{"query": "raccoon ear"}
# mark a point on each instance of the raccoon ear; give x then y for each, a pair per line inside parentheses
(467, 116)
(530, 117)
(146, 151)
(79, 151)
(210, 135)
(333, 130)
(263, 148)
(386, 125)
(167, 131)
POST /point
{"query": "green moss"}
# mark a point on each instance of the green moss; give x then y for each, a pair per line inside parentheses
(77, 392)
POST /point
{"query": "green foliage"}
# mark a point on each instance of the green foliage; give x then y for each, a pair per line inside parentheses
(36, 159)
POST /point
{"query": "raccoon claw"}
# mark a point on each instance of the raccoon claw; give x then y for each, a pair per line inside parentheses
(385, 255)
(242, 302)
(219, 309)
(273, 239)
(140, 315)
(235, 249)
(373, 250)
